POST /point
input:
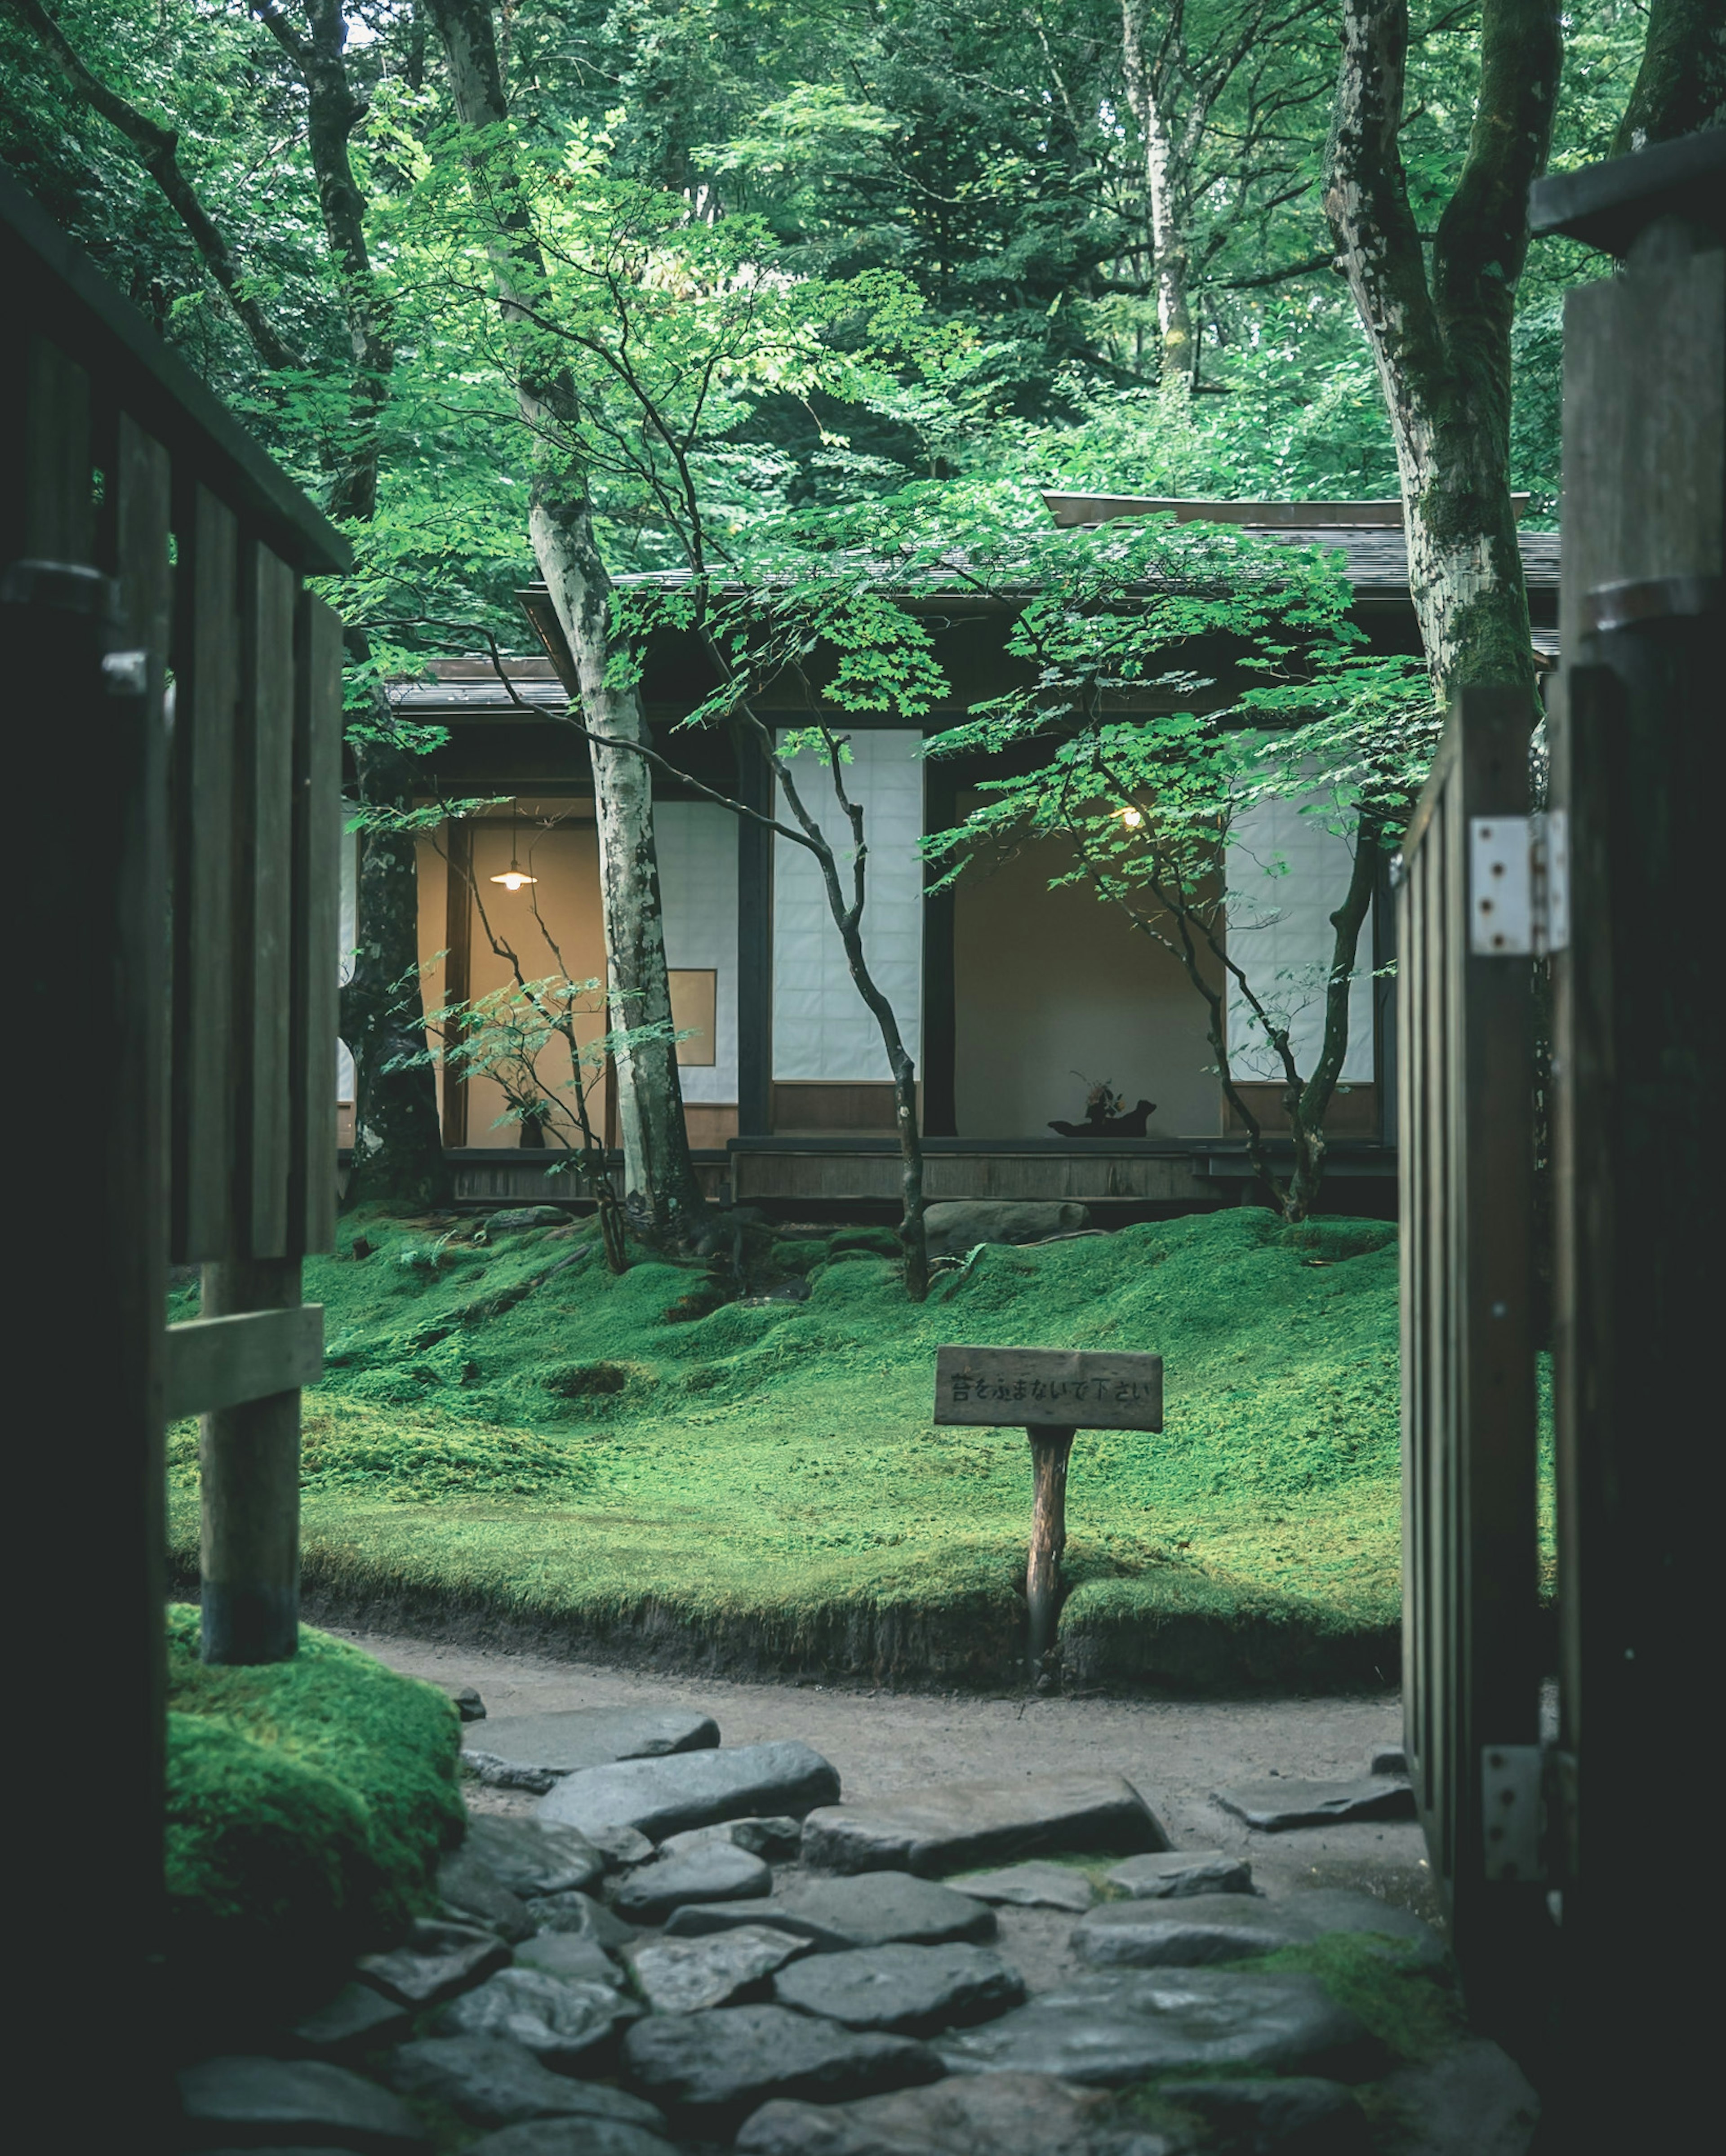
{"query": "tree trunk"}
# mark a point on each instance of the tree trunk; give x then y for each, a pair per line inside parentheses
(1442, 346)
(1681, 86)
(398, 1145)
(1148, 85)
(660, 1177)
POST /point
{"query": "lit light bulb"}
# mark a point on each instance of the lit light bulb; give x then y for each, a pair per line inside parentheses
(513, 878)
(1132, 818)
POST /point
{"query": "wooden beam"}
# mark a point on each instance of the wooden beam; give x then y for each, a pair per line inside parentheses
(224, 1362)
(755, 947)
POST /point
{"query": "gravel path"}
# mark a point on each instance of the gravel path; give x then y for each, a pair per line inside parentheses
(1175, 1752)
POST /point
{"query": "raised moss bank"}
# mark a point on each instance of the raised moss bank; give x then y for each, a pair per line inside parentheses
(512, 1444)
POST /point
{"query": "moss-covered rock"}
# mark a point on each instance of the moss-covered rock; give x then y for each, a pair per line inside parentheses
(308, 1803)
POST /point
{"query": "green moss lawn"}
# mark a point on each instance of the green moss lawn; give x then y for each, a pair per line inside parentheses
(506, 1428)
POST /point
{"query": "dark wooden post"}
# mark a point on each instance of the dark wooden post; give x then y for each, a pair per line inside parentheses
(940, 1042)
(1050, 1451)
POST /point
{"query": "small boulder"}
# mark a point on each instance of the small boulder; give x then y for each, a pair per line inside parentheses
(908, 1991)
(960, 1225)
(777, 1840)
(663, 1796)
(472, 1893)
(492, 2081)
(438, 1960)
(530, 1858)
(560, 2023)
(1176, 1873)
(581, 1914)
(569, 1956)
(1006, 2114)
(514, 1217)
(956, 1825)
(355, 2019)
(883, 1907)
(717, 1872)
(1037, 1886)
(1275, 1805)
(687, 1976)
(254, 2100)
(1188, 1932)
(533, 1751)
(713, 2068)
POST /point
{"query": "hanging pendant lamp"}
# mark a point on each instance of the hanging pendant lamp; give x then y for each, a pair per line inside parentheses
(514, 876)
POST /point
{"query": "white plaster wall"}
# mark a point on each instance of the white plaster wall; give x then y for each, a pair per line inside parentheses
(1280, 934)
(348, 913)
(822, 1029)
(697, 847)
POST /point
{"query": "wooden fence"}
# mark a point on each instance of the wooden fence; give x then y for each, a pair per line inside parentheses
(172, 699)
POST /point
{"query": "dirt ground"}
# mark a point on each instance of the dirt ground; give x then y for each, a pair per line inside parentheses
(1175, 1752)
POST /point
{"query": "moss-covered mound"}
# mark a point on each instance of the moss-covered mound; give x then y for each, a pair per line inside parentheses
(307, 1804)
(510, 1436)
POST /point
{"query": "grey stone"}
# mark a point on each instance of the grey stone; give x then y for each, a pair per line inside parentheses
(957, 1825)
(620, 1847)
(473, 1893)
(534, 1751)
(530, 1858)
(560, 2023)
(701, 1920)
(1005, 2114)
(1283, 1802)
(658, 1797)
(908, 1991)
(468, 1704)
(1124, 2025)
(1474, 2101)
(581, 1914)
(716, 1873)
(883, 1906)
(516, 1217)
(686, 1976)
(571, 2137)
(954, 1228)
(438, 1959)
(1387, 1759)
(1178, 1872)
(266, 2099)
(356, 2017)
(493, 2080)
(1295, 2116)
(1034, 1886)
(715, 2067)
(1216, 1927)
(777, 1840)
(568, 1955)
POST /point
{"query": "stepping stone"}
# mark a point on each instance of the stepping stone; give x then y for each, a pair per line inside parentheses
(1281, 1803)
(1182, 1871)
(560, 2023)
(534, 1751)
(1108, 2029)
(719, 1872)
(492, 2081)
(702, 1920)
(658, 1797)
(581, 1915)
(962, 1824)
(686, 1976)
(1473, 2100)
(473, 1894)
(355, 2019)
(569, 1955)
(1298, 2117)
(872, 1910)
(1387, 1759)
(571, 2137)
(908, 1991)
(620, 1847)
(267, 2099)
(971, 2115)
(530, 1858)
(438, 1960)
(715, 2067)
(1035, 1885)
(777, 1840)
(1217, 1927)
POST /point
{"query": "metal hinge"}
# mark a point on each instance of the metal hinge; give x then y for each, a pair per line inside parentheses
(1510, 1788)
(1518, 885)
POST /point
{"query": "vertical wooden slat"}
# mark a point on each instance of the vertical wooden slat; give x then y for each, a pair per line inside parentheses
(59, 514)
(317, 839)
(207, 691)
(457, 964)
(266, 774)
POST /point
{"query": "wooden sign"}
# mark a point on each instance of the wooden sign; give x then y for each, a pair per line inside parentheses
(1049, 1388)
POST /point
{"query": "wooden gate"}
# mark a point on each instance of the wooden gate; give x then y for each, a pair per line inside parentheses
(1467, 911)
(172, 707)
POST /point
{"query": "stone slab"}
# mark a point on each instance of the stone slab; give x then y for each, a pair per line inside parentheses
(664, 1796)
(1281, 1803)
(1123, 2025)
(958, 1824)
(357, 2016)
(437, 1960)
(581, 1915)
(562, 2023)
(717, 1871)
(1473, 2101)
(880, 1908)
(1297, 2116)
(1005, 2114)
(1178, 1873)
(714, 2068)
(472, 1893)
(570, 1955)
(908, 1991)
(777, 1840)
(957, 1226)
(530, 1858)
(571, 2137)
(1034, 1886)
(531, 1751)
(701, 1920)
(492, 2081)
(621, 1846)
(688, 1976)
(258, 2099)
(1191, 1932)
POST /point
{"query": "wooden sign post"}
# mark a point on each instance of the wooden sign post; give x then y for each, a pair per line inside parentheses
(1052, 1394)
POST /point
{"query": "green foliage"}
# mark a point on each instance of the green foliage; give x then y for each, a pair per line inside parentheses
(1411, 2013)
(308, 1803)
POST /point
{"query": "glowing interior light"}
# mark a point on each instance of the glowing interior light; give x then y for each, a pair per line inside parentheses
(513, 878)
(1132, 818)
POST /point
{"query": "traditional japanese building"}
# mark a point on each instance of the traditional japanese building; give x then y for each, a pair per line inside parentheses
(1013, 998)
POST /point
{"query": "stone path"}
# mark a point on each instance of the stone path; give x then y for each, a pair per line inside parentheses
(694, 1943)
